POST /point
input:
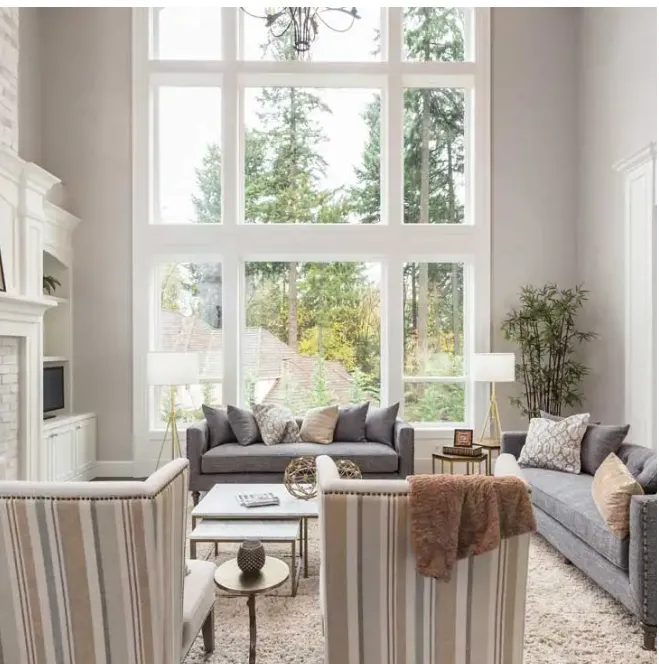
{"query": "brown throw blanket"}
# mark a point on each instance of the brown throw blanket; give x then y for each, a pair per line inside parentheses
(457, 516)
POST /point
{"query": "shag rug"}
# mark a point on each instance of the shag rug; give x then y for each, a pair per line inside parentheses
(569, 620)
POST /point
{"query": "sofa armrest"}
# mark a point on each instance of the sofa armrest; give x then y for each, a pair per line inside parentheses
(404, 445)
(512, 442)
(643, 555)
(197, 441)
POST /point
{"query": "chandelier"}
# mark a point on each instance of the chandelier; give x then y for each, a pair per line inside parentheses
(304, 22)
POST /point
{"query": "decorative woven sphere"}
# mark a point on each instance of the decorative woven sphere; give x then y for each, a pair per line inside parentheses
(300, 478)
(348, 470)
(251, 557)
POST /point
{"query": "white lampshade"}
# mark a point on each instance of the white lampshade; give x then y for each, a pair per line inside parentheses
(172, 368)
(493, 367)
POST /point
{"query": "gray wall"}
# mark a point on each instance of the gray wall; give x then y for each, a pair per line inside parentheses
(87, 143)
(534, 160)
(536, 85)
(618, 116)
(29, 85)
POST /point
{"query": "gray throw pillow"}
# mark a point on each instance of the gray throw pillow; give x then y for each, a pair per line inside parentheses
(380, 424)
(243, 425)
(351, 425)
(218, 425)
(598, 442)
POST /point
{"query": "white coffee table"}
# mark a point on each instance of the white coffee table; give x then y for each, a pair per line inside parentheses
(235, 530)
(220, 503)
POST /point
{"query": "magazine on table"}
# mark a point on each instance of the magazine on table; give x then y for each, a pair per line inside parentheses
(257, 499)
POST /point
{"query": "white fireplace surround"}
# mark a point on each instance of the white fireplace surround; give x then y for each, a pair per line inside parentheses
(29, 225)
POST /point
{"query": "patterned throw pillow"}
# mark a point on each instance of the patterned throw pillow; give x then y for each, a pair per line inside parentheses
(318, 424)
(277, 424)
(613, 488)
(555, 445)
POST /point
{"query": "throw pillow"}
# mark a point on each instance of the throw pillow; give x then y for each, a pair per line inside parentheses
(351, 425)
(613, 488)
(555, 445)
(598, 442)
(380, 424)
(276, 424)
(318, 424)
(244, 425)
(218, 425)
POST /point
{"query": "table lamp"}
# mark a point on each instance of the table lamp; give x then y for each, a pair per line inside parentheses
(170, 370)
(493, 368)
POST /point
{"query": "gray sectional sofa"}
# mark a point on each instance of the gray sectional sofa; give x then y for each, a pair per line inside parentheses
(568, 519)
(260, 463)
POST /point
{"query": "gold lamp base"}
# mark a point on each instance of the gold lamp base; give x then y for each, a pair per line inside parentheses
(171, 428)
(492, 422)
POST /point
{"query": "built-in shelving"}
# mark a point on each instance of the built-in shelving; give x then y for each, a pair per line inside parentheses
(57, 300)
(53, 359)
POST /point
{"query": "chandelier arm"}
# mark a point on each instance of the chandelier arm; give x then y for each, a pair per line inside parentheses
(350, 12)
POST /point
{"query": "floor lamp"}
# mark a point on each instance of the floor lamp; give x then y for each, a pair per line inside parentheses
(493, 368)
(170, 370)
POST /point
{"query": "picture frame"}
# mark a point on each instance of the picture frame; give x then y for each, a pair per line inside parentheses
(463, 437)
(3, 283)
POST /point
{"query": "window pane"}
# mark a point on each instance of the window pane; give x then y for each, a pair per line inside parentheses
(189, 319)
(188, 155)
(313, 334)
(434, 402)
(186, 33)
(358, 43)
(312, 155)
(437, 33)
(434, 156)
(433, 308)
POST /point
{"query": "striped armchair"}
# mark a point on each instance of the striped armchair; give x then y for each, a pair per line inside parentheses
(93, 572)
(376, 607)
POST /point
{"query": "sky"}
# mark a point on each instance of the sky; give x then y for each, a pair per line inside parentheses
(190, 118)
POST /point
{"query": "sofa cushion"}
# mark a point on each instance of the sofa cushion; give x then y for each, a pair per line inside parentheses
(198, 599)
(351, 425)
(318, 424)
(642, 464)
(568, 499)
(260, 458)
(380, 423)
(219, 429)
(244, 425)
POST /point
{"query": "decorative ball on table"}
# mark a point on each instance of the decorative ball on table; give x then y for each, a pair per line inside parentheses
(251, 557)
(300, 478)
(348, 470)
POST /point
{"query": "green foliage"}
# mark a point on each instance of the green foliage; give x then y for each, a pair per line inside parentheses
(321, 395)
(544, 328)
(50, 283)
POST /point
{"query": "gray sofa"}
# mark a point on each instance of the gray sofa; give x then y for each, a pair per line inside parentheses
(568, 519)
(261, 463)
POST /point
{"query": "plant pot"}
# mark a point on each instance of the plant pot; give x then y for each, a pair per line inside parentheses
(251, 557)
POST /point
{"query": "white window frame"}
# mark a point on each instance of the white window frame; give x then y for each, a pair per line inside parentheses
(390, 242)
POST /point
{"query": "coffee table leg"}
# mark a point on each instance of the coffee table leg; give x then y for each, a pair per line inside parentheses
(293, 568)
(306, 547)
(251, 606)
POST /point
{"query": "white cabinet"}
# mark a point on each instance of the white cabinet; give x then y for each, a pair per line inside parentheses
(71, 445)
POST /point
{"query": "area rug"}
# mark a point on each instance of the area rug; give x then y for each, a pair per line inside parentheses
(569, 620)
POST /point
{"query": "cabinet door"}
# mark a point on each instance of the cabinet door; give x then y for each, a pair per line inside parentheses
(85, 443)
(62, 447)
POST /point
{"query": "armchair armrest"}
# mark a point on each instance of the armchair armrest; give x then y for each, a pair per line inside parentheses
(643, 555)
(404, 445)
(506, 466)
(512, 442)
(197, 442)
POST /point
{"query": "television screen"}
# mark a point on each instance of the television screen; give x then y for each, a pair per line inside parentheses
(53, 388)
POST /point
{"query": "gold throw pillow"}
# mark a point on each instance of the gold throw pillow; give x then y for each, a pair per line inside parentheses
(613, 488)
(318, 424)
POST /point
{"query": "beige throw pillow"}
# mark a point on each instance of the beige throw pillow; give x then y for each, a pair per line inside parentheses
(613, 488)
(318, 424)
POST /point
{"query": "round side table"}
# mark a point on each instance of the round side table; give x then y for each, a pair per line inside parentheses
(229, 577)
(473, 463)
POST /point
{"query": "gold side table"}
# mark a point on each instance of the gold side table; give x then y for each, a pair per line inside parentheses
(490, 445)
(229, 577)
(473, 463)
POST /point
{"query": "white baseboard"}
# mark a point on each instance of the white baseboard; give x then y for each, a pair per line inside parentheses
(112, 469)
